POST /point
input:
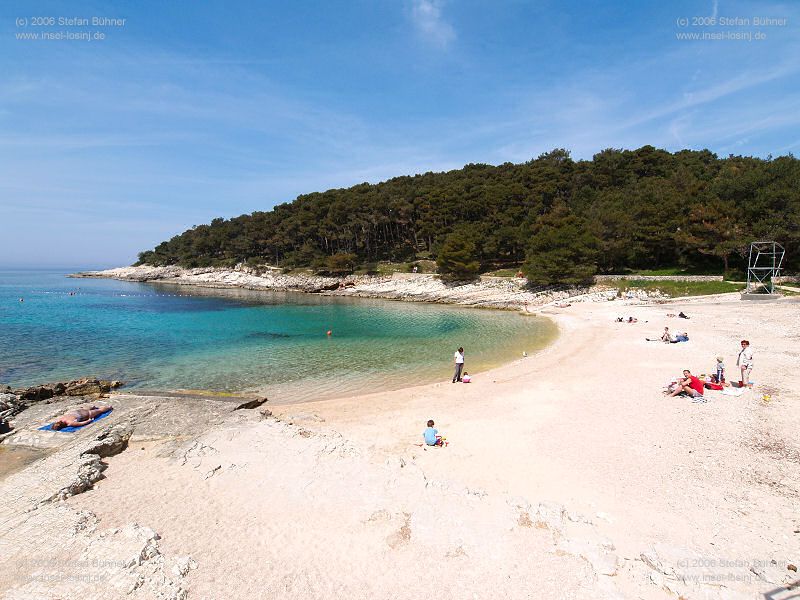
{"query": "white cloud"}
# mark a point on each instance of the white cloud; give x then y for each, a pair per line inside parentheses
(427, 18)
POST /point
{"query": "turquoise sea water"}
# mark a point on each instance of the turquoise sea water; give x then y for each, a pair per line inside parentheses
(167, 337)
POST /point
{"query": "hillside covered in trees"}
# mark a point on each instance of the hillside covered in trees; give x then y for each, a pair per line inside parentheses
(563, 220)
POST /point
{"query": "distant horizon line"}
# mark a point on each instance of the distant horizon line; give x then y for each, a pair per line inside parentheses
(45, 267)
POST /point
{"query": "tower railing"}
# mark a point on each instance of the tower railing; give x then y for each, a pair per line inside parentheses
(763, 266)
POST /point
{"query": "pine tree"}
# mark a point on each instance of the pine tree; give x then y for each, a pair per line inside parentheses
(562, 250)
(456, 258)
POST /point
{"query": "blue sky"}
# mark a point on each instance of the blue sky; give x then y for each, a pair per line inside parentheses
(202, 108)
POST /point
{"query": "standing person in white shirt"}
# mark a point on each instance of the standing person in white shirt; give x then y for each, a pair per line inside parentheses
(745, 364)
(459, 358)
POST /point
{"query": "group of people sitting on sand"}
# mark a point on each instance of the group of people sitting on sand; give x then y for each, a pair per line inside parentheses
(628, 320)
(667, 337)
(693, 386)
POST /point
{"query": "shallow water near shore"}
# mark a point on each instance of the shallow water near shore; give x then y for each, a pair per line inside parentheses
(166, 337)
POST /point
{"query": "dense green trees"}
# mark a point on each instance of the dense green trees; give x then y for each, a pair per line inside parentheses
(644, 208)
(342, 262)
(713, 228)
(562, 249)
(457, 257)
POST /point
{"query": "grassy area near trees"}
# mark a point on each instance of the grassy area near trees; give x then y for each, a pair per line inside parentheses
(676, 289)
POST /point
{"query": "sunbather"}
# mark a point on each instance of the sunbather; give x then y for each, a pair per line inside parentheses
(666, 337)
(78, 417)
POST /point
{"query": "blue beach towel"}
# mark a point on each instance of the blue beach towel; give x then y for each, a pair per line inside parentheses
(49, 426)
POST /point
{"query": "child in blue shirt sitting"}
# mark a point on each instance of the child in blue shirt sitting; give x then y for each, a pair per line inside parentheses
(430, 435)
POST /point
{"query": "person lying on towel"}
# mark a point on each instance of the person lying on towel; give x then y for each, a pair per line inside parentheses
(78, 417)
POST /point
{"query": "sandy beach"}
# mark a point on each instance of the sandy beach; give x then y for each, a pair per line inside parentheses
(568, 474)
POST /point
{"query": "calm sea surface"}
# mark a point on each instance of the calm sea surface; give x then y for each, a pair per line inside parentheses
(167, 337)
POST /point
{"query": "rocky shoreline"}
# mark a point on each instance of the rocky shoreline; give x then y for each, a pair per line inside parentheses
(124, 561)
(487, 292)
(14, 401)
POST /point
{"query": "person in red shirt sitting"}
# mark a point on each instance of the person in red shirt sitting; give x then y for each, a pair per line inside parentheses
(689, 384)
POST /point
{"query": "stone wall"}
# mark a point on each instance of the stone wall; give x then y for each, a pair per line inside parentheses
(602, 278)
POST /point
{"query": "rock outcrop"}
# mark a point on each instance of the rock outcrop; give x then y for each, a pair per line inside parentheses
(77, 387)
(13, 402)
(89, 464)
(250, 405)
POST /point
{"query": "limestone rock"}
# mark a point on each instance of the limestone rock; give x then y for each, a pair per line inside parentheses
(90, 470)
(111, 442)
(8, 401)
(251, 404)
(592, 547)
(653, 560)
(549, 516)
(89, 465)
(35, 393)
(183, 565)
(84, 387)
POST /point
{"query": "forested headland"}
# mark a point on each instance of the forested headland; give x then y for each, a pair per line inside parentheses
(559, 220)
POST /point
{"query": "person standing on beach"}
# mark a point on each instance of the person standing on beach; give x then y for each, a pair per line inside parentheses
(459, 359)
(745, 364)
(720, 370)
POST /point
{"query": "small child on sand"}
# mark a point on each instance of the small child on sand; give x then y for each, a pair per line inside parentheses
(431, 435)
(466, 378)
(720, 370)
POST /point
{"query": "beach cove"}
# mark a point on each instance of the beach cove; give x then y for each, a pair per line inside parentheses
(567, 475)
(163, 336)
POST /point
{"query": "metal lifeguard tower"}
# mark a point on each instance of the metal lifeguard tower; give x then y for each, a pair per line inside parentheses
(763, 266)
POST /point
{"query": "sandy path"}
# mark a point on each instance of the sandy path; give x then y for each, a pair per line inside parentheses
(352, 506)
